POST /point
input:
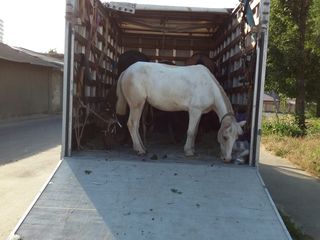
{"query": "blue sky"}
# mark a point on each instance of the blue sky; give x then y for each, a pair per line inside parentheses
(39, 24)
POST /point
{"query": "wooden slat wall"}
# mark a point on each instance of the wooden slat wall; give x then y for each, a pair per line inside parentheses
(167, 48)
(108, 42)
(228, 55)
(99, 42)
(103, 51)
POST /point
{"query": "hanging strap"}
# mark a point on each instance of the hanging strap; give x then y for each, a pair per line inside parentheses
(247, 11)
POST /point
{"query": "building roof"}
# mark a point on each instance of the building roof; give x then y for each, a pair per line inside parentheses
(14, 55)
(291, 101)
(268, 98)
(46, 57)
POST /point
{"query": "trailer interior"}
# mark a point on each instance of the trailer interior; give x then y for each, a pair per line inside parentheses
(103, 31)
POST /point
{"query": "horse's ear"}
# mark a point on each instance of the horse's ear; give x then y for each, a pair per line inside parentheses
(242, 123)
(226, 123)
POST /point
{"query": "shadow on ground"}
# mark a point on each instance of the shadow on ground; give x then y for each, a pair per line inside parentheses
(295, 194)
(23, 138)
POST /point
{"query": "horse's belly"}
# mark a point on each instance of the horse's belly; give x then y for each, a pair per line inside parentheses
(167, 104)
(180, 98)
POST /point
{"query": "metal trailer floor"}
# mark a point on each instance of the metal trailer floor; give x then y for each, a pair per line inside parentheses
(121, 196)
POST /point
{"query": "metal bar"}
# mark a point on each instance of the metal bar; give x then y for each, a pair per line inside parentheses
(70, 92)
(148, 33)
(259, 82)
(68, 81)
(66, 100)
(203, 47)
(147, 7)
(255, 106)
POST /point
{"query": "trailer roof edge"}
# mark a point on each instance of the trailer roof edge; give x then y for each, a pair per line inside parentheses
(152, 7)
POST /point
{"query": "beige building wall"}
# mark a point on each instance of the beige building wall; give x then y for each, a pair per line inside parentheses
(56, 91)
(27, 89)
(268, 106)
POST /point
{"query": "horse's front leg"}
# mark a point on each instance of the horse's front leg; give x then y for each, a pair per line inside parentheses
(133, 126)
(194, 119)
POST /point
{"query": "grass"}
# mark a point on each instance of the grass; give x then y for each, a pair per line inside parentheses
(293, 229)
(281, 137)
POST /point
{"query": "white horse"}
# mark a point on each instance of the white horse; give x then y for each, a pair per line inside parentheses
(176, 88)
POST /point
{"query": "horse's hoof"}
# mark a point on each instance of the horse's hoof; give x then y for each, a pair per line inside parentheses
(141, 153)
(189, 154)
(227, 161)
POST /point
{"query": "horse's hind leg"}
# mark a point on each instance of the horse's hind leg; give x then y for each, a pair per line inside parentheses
(194, 119)
(144, 121)
(133, 126)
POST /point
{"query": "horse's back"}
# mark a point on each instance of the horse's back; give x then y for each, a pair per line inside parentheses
(159, 72)
(167, 87)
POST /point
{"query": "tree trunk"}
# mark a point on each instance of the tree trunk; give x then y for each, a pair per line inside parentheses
(318, 107)
(300, 101)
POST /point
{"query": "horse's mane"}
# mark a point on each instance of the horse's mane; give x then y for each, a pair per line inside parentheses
(223, 93)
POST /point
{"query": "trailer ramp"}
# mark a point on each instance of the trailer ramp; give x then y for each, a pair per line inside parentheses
(118, 195)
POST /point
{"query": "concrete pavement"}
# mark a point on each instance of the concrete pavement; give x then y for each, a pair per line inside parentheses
(29, 153)
(294, 191)
(26, 137)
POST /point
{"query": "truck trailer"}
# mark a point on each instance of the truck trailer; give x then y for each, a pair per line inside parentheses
(98, 193)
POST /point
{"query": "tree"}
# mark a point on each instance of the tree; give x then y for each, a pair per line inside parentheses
(288, 51)
(52, 51)
(283, 55)
(313, 83)
(299, 10)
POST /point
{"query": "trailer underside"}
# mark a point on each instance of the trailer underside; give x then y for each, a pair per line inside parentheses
(163, 195)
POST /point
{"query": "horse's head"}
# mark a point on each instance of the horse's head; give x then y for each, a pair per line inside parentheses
(228, 133)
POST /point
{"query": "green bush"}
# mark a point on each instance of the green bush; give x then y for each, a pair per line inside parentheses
(287, 126)
(284, 126)
(311, 109)
(313, 126)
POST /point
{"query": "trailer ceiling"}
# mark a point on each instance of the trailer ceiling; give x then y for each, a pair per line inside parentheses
(171, 21)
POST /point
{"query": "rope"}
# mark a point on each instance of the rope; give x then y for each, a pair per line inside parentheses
(111, 121)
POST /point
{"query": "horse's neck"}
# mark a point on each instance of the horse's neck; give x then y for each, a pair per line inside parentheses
(221, 111)
(223, 105)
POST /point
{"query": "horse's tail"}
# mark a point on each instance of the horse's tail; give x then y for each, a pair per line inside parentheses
(121, 107)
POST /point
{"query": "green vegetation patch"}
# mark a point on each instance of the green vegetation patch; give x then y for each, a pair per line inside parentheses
(293, 229)
(282, 126)
(281, 136)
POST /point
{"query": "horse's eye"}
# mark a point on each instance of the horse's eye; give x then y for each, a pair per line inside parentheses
(225, 138)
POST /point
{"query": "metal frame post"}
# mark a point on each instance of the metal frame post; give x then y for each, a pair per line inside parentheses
(259, 82)
(68, 82)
